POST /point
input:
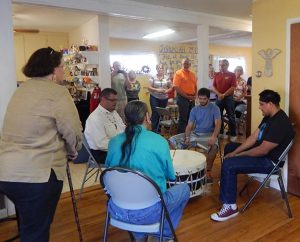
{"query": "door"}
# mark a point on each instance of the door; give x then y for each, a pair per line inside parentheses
(294, 110)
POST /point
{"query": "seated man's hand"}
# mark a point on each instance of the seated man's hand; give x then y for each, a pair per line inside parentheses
(211, 141)
(186, 141)
(231, 154)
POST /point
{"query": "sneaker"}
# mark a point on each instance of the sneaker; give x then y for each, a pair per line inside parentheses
(233, 138)
(225, 213)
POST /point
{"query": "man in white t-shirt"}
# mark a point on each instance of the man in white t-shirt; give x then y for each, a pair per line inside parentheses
(103, 124)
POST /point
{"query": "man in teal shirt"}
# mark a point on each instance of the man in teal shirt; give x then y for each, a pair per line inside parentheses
(145, 151)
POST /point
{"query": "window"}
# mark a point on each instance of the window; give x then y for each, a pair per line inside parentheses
(135, 62)
(233, 63)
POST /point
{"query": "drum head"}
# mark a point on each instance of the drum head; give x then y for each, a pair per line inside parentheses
(187, 161)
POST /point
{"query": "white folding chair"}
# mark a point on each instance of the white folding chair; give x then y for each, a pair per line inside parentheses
(274, 174)
(130, 189)
(92, 167)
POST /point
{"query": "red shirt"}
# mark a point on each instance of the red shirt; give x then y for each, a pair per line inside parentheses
(224, 80)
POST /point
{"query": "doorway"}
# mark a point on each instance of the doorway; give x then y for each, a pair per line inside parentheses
(294, 110)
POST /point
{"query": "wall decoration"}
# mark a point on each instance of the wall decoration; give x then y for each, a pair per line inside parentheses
(268, 55)
(172, 55)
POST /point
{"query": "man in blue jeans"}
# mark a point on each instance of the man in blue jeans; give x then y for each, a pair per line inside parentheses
(223, 85)
(256, 154)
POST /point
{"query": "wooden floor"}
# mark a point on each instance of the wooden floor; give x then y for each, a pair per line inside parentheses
(265, 220)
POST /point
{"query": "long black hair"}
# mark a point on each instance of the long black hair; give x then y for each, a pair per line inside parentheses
(135, 113)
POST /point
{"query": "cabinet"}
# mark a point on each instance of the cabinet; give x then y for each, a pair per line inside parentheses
(26, 43)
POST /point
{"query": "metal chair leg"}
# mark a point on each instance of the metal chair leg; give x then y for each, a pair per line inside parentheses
(284, 195)
(106, 224)
(256, 192)
(246, 185)
(162, 222)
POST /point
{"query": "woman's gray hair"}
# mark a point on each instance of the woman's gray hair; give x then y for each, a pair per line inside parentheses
(239, 68)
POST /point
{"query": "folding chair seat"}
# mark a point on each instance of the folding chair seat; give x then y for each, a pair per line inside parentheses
(130, 189)
(166, 120)
(274, 174)
(92, 167)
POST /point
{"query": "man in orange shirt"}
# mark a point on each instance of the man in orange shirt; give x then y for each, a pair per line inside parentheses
(185, 85)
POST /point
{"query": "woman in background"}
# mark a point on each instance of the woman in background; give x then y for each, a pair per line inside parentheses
(132, 87)
(159, 87)
(239, 97)
(41, 131)
(240, 92)
(142, 150)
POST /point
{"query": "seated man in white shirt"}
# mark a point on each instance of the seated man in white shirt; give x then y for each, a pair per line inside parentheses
(203, 129)
(103, 124)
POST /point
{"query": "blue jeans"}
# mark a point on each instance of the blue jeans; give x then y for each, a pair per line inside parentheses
(155, 102)
(175, 199)
(184, 107)
(233, 166)
(228, 104)
(36, 204)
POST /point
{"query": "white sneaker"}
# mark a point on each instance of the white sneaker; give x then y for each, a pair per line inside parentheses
(225, 213)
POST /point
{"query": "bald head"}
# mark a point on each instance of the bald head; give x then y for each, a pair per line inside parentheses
(186, 63)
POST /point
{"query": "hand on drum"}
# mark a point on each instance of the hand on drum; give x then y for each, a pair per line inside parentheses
(211, 141)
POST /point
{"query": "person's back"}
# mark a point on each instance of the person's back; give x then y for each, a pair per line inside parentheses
(147, 152)
(151, 156)
(117, 83)
(30, 134)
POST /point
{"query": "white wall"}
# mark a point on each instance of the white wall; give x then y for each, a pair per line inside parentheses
(88, 30)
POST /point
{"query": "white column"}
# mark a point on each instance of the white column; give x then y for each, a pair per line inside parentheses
(8, 78)
(104, 65)
(202, 44)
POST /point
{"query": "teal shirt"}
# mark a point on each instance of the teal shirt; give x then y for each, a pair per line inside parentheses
(150, 155)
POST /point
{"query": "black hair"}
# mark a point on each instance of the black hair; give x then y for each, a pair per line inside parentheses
(204, 92)
(106, 92)
(269, 96)
(42, 62)
(135, 113)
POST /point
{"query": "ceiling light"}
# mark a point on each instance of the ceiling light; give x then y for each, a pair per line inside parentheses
(159, 34)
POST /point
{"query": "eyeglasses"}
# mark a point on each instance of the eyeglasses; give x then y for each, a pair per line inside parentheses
(51, 50)
(170, 73)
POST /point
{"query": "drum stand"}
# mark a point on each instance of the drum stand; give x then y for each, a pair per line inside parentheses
(74, 202)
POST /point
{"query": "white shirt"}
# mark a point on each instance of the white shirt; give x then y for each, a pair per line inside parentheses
(101, 126)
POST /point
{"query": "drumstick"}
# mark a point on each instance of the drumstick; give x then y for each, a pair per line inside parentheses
(174, 154)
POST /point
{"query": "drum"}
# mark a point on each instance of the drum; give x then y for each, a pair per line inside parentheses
(190, 168)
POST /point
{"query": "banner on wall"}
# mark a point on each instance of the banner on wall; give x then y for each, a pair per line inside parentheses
(172, 55)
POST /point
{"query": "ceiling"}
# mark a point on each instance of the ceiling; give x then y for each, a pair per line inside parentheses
(63, 20)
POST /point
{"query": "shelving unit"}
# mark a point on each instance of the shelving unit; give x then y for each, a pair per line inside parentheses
(82, 72)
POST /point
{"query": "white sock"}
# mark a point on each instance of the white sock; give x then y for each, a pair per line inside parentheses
(233, 206)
